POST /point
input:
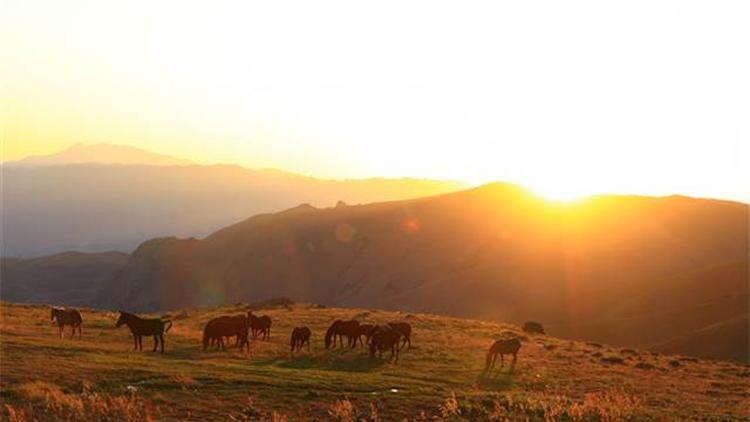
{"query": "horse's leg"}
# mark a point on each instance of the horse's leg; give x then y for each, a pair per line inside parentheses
(397, 353)
(161, 337)
(308, 345)
(502, 360)
(156, 343)
(140, 343)
(61, 330)
(135, 342)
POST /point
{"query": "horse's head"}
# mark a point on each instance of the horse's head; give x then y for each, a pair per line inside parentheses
(122, 319)
(55, 311)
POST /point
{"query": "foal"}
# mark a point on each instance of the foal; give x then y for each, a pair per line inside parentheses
(502, 347)
(140, 327)
(67, 317)
(300, 337)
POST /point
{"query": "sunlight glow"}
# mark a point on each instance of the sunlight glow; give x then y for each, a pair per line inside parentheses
(566, 97)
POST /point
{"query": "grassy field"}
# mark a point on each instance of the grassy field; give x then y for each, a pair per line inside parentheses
(440, 377)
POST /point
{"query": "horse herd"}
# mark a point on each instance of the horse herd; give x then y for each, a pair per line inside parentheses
(392, 336)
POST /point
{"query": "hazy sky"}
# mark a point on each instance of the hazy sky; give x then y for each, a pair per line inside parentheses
(568, 97)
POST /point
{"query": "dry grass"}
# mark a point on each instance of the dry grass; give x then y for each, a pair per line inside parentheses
(440, 378)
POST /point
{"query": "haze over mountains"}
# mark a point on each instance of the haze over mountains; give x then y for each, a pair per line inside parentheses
(104, 197)
(665, 273)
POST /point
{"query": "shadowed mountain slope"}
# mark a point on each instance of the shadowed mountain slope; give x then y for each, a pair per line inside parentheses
(69, 278)
(625, 270)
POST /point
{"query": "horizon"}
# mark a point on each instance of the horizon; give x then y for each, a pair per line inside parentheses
(597, 108)
(465, 184)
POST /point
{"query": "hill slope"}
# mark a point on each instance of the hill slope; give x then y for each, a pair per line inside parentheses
(99, 376)
(600, 270)
(49, 209)
(70, 278)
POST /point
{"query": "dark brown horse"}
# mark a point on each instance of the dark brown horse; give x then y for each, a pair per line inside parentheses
(65, 317)
(366, 331)
(300, 337)
(405, 330)
(140, 327)
(502, 347)
(260, 325)
(227, 326)
(340, 329)
(384, 338)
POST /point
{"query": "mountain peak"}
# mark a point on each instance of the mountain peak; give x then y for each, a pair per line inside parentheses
(80, 153)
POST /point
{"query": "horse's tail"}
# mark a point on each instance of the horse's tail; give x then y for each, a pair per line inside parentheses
(166, 321)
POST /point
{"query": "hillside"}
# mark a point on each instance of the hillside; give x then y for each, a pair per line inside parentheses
(51, 208)
(69, 278)
(440, 377)
(600, 269)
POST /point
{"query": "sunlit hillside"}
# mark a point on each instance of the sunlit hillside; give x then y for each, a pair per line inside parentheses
(441, 377)
(627, 270)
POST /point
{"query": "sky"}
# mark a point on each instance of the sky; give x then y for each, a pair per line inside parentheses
(568, 98)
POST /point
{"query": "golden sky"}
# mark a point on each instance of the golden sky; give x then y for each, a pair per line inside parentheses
(568, 98)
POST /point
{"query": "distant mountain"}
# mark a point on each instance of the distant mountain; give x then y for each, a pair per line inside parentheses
(100, 154)
(100, 207)
(69, 278)
(626, 270)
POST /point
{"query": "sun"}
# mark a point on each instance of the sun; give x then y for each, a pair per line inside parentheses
(560, 192)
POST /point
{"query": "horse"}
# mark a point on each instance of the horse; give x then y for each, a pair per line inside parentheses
(300, 337)
(227, 326)
(384, 338)
(405, 330)
(365, 330)
(261, 324)
(502, 347)
(340, 329)
(144, 327)
(67, 317)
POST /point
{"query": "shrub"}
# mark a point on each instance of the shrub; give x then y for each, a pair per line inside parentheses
(614, 360)
(533, 327)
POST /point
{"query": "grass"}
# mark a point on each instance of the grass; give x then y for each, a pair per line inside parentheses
(100, 378)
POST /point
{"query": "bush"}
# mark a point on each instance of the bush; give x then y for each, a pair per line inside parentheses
(533, 327)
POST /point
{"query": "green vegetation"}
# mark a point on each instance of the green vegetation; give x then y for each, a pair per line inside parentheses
(100, 377)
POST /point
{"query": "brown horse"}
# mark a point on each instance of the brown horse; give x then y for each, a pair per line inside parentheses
(300, 337)
(340, 329)
(502, 347)
(261, 324)
(405, 330)
(365, 330)
(384, 338)
(140, 327)
(65, 317)
(227, 326)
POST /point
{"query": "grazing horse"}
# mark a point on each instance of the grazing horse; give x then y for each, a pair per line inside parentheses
(300, 337)
(405, 330)
(261, 324)
(502, 347)
(67, 317)
(140, 327)
(365, 330)
(227, 326)
(340, 329)
(384, 338)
